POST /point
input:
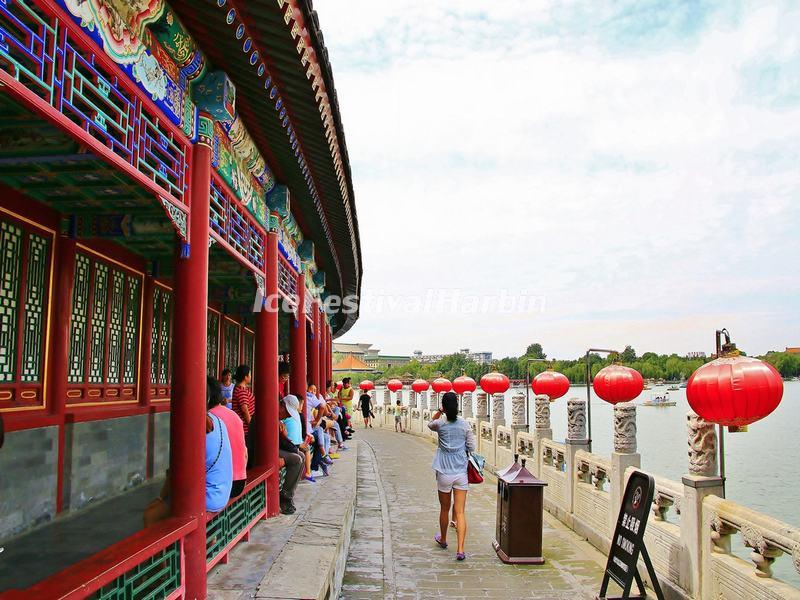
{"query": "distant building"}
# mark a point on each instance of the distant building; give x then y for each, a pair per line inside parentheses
(350, 364)
(371, 358)
(482, 358)
(792, 350)
(695, 355)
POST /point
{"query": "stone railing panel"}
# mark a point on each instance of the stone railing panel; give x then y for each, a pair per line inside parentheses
(486, 442)
(728, 576)
(504, 446)
(526, 446)
(591, 500)
(552, 473)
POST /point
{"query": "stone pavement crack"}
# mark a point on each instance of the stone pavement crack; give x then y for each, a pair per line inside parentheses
(392, 553)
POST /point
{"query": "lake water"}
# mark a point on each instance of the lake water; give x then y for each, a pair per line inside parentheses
(762, 465)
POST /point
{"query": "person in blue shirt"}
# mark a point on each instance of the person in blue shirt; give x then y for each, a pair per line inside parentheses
(226, 385)
(450, 463)
(219, 459)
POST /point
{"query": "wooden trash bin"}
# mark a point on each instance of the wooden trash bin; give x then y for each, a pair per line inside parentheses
(520, 506)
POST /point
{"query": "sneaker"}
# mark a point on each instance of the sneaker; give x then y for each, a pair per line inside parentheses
(317, 473)
(310, 478)
(343, 447)
(333, 455)
(327, 460)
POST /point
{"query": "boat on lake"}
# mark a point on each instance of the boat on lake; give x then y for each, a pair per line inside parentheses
(660, 401)
(673, 388)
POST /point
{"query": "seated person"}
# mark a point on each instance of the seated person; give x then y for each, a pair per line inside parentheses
(235, 430)
(294, 431)
(219, 459)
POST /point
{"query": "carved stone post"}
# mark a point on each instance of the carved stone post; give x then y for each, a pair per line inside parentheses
(482, 406)
(482, 414)
(466, 405)
(387, 407)
(624, 454)
(412, 400)
(518, 418)
(498, 409)
(433, 401)
(703, 480)
(576, 440)
(541, 430)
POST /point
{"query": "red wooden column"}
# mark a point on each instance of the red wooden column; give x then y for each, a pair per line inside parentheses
(145, 364)
(297, 346)
(64, 265)
(330, 353)
(267, 381)
(188, 421)
(313, 363)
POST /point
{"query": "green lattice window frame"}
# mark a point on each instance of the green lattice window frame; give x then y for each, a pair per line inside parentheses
(231, 339)
(26, 256)
(161, 342)
(249, 349)
(105, 328)
(212, 343)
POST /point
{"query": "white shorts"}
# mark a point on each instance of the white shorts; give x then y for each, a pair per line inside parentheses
(447, 483)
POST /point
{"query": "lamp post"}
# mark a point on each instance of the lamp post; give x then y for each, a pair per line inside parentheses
(589, 390)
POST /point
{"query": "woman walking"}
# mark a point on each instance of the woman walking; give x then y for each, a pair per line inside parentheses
(450, 463)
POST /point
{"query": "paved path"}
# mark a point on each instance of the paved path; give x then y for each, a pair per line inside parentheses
(392, 553)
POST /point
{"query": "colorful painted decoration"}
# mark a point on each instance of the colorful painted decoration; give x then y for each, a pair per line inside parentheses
(366, 385)
(550, 383)
(441, 385)
(495, 383)
(734, 391)
(394, 385)
(420, 385)
(464, 384)
(618, 383)
(216, 95)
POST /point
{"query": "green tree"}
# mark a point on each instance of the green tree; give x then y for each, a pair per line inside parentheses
(535, 351)
(628, 355)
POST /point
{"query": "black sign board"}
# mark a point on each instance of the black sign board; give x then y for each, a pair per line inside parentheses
(627, 543)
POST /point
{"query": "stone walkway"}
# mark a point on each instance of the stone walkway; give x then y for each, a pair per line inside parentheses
(392, 553)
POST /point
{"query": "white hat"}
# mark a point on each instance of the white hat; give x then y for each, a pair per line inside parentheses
(292, 405)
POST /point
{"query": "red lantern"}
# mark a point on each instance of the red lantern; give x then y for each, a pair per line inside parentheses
(420, 385)
(618, 383)
(441, 385)
(464, 384)
(495, 383)
(394, 385)
(550, 383)
(366, 385)
(734, 391)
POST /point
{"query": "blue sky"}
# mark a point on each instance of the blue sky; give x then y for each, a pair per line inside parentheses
(633, 166)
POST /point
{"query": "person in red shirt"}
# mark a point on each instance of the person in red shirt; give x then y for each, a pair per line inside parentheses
(243, 403)
(217, 405)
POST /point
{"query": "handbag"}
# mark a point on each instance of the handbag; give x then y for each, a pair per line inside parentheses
(475, 463)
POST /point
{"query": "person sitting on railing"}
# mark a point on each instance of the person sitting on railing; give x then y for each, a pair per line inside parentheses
(219, 467)
(294, 431)
(219, 458)
(314, 411)
(293, 460)
(235, 429)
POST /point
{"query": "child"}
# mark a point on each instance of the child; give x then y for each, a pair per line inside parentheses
(398, 420)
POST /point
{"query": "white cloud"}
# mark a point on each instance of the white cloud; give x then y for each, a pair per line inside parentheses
(626, 171)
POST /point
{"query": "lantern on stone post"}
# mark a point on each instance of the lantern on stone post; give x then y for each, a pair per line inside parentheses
(618, 383)
(733, 391)
(464, 385)
(550, 383)
(440, 385)
(396, 386)
(496, 384)
(419, 386)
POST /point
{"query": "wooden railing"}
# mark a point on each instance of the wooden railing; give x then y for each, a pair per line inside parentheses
(148, 563)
